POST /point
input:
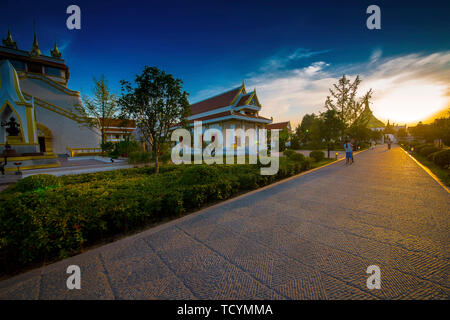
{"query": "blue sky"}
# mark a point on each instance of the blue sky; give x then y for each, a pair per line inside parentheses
(290, 50)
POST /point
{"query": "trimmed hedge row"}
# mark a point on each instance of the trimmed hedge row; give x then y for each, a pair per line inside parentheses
(45, 217)
(439, 156)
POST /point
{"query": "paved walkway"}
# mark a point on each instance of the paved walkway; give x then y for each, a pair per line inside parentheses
(311, 237)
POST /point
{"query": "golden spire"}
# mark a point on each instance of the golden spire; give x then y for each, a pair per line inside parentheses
(55, 52)
(9, 42)
(35, 51)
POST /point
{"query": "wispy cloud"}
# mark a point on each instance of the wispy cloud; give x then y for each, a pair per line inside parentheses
(284, 60)
(406, 88)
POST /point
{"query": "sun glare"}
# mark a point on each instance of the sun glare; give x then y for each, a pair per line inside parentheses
(410, 102)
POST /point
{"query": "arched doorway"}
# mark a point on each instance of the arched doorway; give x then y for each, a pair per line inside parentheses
(45, 138)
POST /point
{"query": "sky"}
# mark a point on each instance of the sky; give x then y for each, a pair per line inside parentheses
(290, 51)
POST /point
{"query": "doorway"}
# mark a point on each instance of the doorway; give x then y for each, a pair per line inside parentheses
(41, 141)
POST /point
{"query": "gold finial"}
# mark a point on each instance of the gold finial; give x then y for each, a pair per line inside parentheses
(9, 42)
(55, 52)
(35, 51)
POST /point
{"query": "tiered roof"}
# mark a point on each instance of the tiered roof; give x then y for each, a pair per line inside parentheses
(236, 104)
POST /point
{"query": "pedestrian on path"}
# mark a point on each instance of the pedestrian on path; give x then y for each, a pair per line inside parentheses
(348, 152)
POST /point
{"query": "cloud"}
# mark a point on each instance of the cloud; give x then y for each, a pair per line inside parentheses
(406, 88)
(376, 55)
(284, 60)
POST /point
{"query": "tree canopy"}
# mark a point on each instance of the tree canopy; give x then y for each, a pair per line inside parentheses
(158, 103)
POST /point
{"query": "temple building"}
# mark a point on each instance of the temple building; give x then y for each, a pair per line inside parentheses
(234, 109)
(38, 111)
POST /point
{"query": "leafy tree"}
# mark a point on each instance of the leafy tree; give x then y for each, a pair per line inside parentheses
(330, 127)
(157, 103)
(344, 101)
(401, 133)
(284, 137)
(99, 110)
(302, 134)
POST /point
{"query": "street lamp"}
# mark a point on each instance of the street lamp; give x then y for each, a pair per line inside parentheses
(18, 168)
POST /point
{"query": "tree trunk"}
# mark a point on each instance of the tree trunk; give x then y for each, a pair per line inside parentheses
(156, 159)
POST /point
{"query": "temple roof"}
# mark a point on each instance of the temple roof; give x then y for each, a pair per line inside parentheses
(279, 125)
(372, 121)
(221, 100)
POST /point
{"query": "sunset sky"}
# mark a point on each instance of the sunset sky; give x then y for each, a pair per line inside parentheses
(291, 51)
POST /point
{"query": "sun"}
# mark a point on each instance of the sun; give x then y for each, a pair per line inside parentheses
(411, 101)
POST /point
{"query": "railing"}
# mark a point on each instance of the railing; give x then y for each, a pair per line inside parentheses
(80, 152)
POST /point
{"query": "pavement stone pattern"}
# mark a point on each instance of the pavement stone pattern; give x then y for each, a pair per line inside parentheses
(310, 237)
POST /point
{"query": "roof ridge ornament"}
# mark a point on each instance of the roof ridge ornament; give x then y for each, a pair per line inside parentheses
(55, 52)
(35, 51)
(9, 42)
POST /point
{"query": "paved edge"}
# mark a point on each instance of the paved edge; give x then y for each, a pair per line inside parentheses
(427, 171)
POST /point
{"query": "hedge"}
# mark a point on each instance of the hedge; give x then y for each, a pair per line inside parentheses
(425, 151)
(45, 217)
(442, 158)
(317, 155)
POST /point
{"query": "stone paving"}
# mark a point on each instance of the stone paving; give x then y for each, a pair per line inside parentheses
(310, 237)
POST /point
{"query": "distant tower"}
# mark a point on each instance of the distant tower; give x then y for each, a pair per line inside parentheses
(35, 51)
(9, 42)
(55, 52)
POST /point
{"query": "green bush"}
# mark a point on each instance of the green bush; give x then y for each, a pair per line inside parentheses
(425, 151)
(419, 146)
(317, 155)
(199, 174)
(107, 147)
(32, 183)
(288, 153)
(165, 157)
(298, 157)
(442, 158)
(432, 155)
(137, 157)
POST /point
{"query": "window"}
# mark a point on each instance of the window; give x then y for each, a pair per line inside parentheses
(34, 67)
(117, 136)
(51, 71)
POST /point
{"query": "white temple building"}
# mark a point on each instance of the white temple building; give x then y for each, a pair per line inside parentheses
(34, 95)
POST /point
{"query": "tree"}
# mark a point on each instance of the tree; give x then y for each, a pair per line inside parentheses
(98, 111)
(302, 133)
(157, 103)
(401, 133)
(343, 100)
(330, 127)
(284, 138)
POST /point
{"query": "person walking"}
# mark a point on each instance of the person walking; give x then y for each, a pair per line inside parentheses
(348, 152)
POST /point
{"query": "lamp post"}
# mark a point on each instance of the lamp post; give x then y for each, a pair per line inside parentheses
(18, 172)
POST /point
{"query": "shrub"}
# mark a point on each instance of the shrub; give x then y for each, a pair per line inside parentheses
(317, 155)
(442, 158)
(107, 146)
(199, 174)
(125, 147)
(419, 146)
(431, 155)
(425, 151)
(33, 183)
(139, 157)
(297, 157)
(165, 157)
(288, 153)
